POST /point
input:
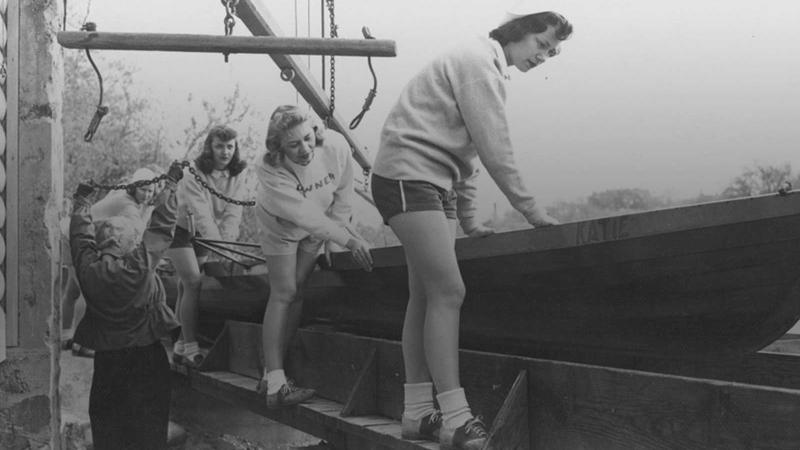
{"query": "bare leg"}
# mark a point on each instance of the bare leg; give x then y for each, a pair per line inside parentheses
(428, 240)
(416, 366)
(282, 293)
(305, 265)
(188, 271)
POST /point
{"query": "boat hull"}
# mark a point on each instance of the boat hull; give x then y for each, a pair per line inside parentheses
(714, 279)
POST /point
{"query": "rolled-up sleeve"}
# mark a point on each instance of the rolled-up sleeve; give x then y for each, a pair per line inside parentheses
(480, 93)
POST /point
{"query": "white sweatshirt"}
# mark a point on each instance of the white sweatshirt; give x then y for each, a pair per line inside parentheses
(315, 199)
(449, 114)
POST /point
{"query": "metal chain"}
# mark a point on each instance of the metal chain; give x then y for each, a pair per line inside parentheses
(230, 19)
(334, 34)
(135, 184)
(230, 13)
(184, 164)
(217, 194)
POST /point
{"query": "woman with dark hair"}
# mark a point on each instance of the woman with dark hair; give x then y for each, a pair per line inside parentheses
(304, 200)
(221, 167)
(451, 114)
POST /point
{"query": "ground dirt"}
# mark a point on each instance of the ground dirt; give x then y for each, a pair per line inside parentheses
(209, 424)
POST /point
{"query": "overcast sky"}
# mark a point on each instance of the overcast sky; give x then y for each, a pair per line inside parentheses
(676, 97)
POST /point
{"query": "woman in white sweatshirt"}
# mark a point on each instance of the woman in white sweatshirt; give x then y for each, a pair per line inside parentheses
(220, 167)
(451, 114)
(304, 199)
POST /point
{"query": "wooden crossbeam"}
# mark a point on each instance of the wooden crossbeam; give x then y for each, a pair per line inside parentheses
(202, 43)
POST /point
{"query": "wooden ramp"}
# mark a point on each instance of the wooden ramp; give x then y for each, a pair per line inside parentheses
(528, 403)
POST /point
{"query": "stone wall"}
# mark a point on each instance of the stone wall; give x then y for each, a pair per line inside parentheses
(35, 163)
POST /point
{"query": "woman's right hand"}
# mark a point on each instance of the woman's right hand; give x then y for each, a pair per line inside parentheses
(538, 217)
(360, 250)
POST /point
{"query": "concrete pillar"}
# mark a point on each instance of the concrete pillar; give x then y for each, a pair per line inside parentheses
(34, 194)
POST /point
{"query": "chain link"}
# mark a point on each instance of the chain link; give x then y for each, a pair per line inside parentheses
(184, 164)
(230, 19)
(334, 34)
(230, 13)
(217, 194)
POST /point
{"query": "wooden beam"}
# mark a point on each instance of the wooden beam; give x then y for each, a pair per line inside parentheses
(564, 405)
(202, 43)
(260, 23)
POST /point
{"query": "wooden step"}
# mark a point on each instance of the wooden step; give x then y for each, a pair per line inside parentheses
(320, 417)
(528, 403)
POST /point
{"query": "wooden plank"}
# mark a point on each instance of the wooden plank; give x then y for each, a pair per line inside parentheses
(260, 23)
(246, 356)
(569, 405)
(573, 407)
(362, 397)
(587, 233)
(219, 355)
(313, 362)
(510, 427)
(319, 417)
(203, 43)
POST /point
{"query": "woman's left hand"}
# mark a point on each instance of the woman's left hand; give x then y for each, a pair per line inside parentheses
(360, 250)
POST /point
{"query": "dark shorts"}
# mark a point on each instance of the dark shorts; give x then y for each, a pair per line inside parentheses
(393, 197)
(181, 240)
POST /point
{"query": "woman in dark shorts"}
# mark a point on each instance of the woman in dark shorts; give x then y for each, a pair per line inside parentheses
(451, 114)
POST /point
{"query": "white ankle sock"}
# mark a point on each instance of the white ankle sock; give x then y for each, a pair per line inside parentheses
(418, 400)
(275, 379)
(66, 334)
(190, 348)
(455, 409)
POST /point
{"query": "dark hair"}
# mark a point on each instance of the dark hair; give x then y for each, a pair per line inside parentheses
(205, 160)
(283, 119)
(516, 30)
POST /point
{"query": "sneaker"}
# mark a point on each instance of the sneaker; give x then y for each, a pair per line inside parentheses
(191, 355)
(470, 436)
(288, 395)
(426, 428)
(193, 360)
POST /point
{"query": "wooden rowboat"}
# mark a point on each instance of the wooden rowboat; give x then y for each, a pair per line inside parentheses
(717, 278)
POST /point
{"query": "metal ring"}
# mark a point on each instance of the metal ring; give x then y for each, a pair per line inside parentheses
(287, 74)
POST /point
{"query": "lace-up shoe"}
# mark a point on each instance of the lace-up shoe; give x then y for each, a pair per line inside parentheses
(470, 436)
(427, 427)
(287, 395)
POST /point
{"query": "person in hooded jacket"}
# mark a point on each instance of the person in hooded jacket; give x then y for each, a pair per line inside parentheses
(125, 320)
(133, 204)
